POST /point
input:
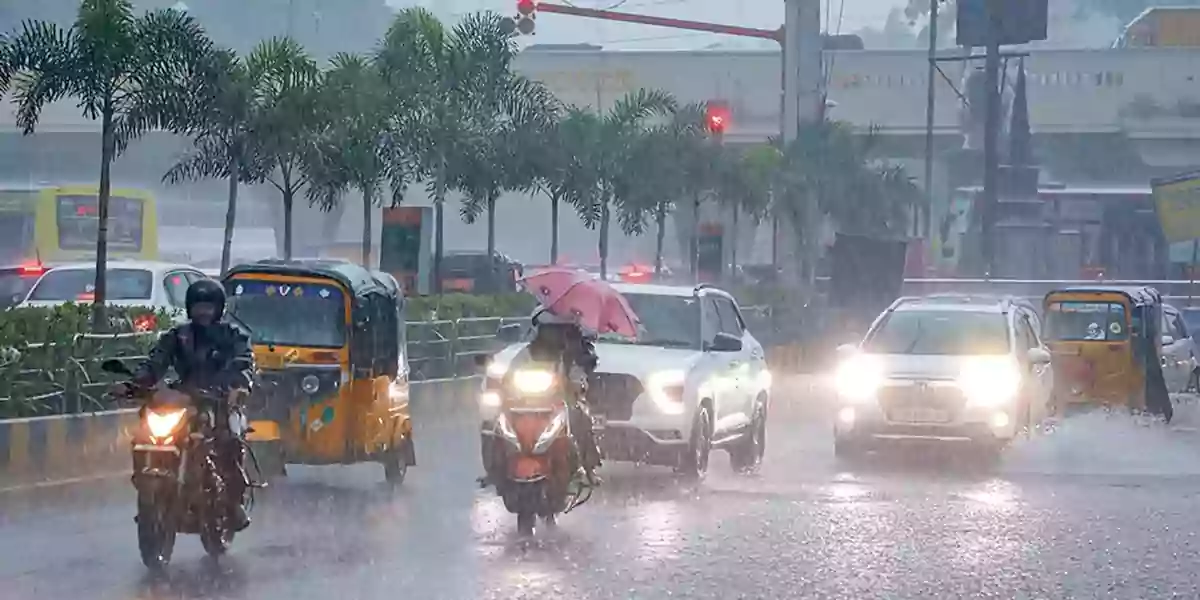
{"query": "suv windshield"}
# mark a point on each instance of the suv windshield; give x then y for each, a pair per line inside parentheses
(669, 321)
(946, 332)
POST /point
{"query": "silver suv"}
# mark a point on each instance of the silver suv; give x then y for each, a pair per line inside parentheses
(943, 368)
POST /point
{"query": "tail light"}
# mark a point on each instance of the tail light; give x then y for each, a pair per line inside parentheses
(144, 323)
(32, 270)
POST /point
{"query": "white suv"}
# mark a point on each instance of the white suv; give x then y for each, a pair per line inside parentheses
(960, 369)
(694, 381)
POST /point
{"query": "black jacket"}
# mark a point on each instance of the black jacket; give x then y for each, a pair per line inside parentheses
(219, 355)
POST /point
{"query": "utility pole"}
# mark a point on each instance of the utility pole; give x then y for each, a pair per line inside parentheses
(804, 99)
(991, 136)
(922, 222)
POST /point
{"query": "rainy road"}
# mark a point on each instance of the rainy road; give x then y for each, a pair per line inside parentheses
(1100, 508)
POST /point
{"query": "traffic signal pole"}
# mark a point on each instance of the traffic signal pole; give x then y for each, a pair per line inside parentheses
(991, 140)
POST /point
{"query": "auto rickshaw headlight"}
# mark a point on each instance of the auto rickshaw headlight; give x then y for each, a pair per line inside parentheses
(310, 384)
(990, 381)
(530, 381)
(163, 424)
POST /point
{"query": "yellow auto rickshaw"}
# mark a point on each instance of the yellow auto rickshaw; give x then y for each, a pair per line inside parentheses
(333, 378)
(1106, 348)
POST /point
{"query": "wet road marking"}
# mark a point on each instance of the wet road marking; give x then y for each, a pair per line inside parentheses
(42, 485)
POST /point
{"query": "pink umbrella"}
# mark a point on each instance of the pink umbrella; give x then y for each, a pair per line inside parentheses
(593, 303)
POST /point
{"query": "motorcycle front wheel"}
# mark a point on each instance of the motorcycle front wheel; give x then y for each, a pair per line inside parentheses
(156, 528)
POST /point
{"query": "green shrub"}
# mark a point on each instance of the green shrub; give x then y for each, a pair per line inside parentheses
(49, 358)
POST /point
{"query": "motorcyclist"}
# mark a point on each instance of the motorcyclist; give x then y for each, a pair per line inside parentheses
(211, 354)
(556, 336)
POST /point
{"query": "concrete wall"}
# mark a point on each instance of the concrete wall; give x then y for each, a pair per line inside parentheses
(48, 450)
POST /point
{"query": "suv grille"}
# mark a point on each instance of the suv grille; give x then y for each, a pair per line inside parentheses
(613, 395)
(948, 398)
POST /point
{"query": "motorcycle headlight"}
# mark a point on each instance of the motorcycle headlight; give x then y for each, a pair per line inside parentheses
(858, 378)
(666, 390)
(530, 381)
(991, 381)
(163, 424)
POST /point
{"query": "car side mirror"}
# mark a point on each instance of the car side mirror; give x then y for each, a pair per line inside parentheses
(509, 333)
(482, 360)
(1167, 340)
(1038, 356)
(726, 342)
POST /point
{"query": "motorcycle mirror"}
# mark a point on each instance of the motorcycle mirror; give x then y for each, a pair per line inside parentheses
(115, 367)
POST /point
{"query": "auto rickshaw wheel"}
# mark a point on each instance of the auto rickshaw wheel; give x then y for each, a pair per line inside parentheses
(395, 462)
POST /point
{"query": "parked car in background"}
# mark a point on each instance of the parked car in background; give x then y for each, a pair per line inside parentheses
(16, 281)
(155, 285)
(1179, 350)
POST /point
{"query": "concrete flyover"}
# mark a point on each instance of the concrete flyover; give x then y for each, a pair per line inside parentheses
(46, 451)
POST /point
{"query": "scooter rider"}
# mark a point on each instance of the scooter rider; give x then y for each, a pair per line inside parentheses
(208, 353)
(557, 336)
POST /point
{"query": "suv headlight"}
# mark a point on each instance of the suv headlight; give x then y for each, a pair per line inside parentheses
(858, 378)
(666, 390)
(531, 381)
(991, 381)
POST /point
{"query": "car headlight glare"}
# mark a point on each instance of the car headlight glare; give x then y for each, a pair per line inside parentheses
(858, 378)
(666, 390)
(991, 381)
(531, 381)
(163, 424)
(497, 369)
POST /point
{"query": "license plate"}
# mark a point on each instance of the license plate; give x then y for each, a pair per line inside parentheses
(599, 421)
(920, 415)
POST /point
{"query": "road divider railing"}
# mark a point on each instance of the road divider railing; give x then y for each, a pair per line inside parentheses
(41, 451)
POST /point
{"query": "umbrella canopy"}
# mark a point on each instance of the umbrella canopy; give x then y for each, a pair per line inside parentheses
(590, 302)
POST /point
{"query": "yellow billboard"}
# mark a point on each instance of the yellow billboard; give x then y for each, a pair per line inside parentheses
(1177, 201)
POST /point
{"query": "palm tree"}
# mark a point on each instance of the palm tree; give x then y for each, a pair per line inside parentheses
(287, 125)
(831, 172)
(507, 154)
(134, 73)
(353, 150)
(223, 139)
(609, 141)
(460, 75)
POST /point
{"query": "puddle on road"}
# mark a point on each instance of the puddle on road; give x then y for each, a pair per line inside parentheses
(1111, 444)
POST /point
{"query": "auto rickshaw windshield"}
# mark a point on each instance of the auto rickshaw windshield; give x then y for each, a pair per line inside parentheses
(1086, 321)
(296, 314)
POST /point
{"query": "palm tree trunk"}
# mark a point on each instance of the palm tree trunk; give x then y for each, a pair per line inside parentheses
(695, 245)
(368, 206)
(288, 201)
(230, 217)
(491, 225)
(107, 152)
(439, 224)
(604, 218)
(554, 229)
(660, 221)
(733, 242)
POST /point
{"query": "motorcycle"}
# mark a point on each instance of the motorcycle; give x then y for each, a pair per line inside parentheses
(536, 462)
(180, 487)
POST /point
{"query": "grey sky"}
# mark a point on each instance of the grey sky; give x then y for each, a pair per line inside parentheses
(555, 29)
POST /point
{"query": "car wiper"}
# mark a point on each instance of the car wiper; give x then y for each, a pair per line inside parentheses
(916, 339)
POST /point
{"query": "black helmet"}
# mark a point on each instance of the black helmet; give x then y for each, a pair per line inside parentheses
(206, 290)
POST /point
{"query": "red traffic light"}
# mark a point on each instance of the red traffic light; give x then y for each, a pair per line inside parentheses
(526, 7)
(717, 118)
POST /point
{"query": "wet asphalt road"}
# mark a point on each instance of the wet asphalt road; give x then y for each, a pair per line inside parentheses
(1102, 507)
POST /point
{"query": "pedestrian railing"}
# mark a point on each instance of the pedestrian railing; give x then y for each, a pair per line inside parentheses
(65, 378)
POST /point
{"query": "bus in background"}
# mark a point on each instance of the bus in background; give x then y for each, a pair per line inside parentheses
(1163, 27)
(59, 223)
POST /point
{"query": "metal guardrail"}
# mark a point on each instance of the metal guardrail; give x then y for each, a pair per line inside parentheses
(435, 350)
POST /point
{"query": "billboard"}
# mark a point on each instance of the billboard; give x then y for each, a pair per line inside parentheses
(1177, 202)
